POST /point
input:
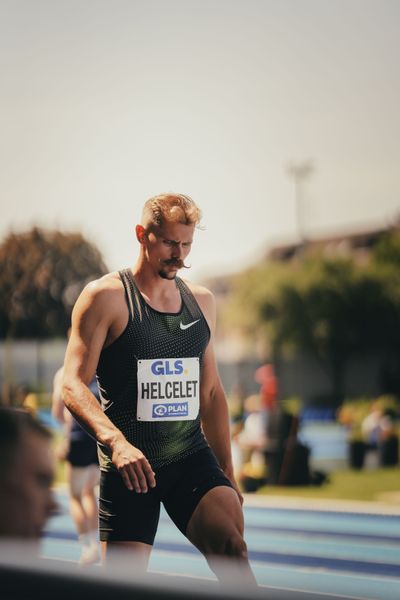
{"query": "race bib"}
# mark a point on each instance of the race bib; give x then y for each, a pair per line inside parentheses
(168, 389)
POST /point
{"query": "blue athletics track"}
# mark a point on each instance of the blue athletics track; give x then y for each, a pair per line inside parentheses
(344, 550)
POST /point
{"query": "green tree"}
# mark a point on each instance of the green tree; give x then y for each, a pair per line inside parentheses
(386, 253)
(329, 309)
(41, 274)
(332, 311)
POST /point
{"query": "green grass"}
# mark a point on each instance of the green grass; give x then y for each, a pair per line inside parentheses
(371, 484)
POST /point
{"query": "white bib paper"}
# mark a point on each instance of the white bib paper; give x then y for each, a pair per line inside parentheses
(168, 389)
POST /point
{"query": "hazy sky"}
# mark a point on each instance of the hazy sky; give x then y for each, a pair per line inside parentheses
(106, 103)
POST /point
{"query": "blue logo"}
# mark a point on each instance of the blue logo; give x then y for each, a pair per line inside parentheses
(167, 367)
(176, 409)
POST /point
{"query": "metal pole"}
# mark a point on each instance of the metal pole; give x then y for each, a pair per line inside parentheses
(300, 171)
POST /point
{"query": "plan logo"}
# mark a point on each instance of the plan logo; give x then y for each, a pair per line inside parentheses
(176, 409)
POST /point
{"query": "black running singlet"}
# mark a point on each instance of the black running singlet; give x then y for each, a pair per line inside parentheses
(149, 378)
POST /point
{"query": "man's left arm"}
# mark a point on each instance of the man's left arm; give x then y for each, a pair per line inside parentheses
(216, 422)
(214, 411)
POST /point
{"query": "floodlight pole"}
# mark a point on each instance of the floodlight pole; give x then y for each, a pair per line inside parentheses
(300, 172)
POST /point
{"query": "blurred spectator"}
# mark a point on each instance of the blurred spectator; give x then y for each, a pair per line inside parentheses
(79, 450)
(251, 442)
(237, 454)
(266, 377)
(26, 475)
(389, 439)
(380, 435)
(282, 452)
(371, 426)
(288, 460)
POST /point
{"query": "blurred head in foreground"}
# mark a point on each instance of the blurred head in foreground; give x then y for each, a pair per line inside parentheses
(26, 475)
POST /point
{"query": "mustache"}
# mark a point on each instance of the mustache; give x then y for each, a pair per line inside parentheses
(175, 262)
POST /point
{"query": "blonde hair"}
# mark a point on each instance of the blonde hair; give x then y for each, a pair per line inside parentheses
(174, 208)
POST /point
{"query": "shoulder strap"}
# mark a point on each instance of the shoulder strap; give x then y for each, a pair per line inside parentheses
(189, 299)
(131, 294)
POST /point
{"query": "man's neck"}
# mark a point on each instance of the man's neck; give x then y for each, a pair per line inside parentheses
(161, 294)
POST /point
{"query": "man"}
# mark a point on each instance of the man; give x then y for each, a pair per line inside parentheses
(26, 475)
(150, 335)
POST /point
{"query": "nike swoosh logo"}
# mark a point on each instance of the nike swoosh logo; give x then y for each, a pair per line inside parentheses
(182, 326)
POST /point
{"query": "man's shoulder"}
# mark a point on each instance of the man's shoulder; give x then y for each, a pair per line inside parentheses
(199, 291)
(109, 282)
(104, 288)
(204, 297)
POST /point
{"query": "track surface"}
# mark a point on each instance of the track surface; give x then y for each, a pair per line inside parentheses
(320, 551)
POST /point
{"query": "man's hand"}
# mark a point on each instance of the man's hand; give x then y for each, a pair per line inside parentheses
(133, 467)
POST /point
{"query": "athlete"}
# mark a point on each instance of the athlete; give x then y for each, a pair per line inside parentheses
(163, 425)
(79, 451)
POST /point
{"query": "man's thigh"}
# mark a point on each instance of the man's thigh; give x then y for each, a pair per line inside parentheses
(192, 479)
(217, 519)
(124, 515)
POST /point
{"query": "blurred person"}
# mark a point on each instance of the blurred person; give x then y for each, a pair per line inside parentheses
(253, 434)
(164, 432)
(26, 475)
(252, 440)
(380, 435)
(79, 451)
(388, 439)
(266, 377)
(371, 426)
(287, 459)
(237, 453)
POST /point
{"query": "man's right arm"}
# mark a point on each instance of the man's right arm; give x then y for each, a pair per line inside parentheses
(91, 322)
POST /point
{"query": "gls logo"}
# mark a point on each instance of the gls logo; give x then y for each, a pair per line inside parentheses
(166, 367)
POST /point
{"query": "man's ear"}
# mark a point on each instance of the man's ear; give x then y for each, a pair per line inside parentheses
(140, 234)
